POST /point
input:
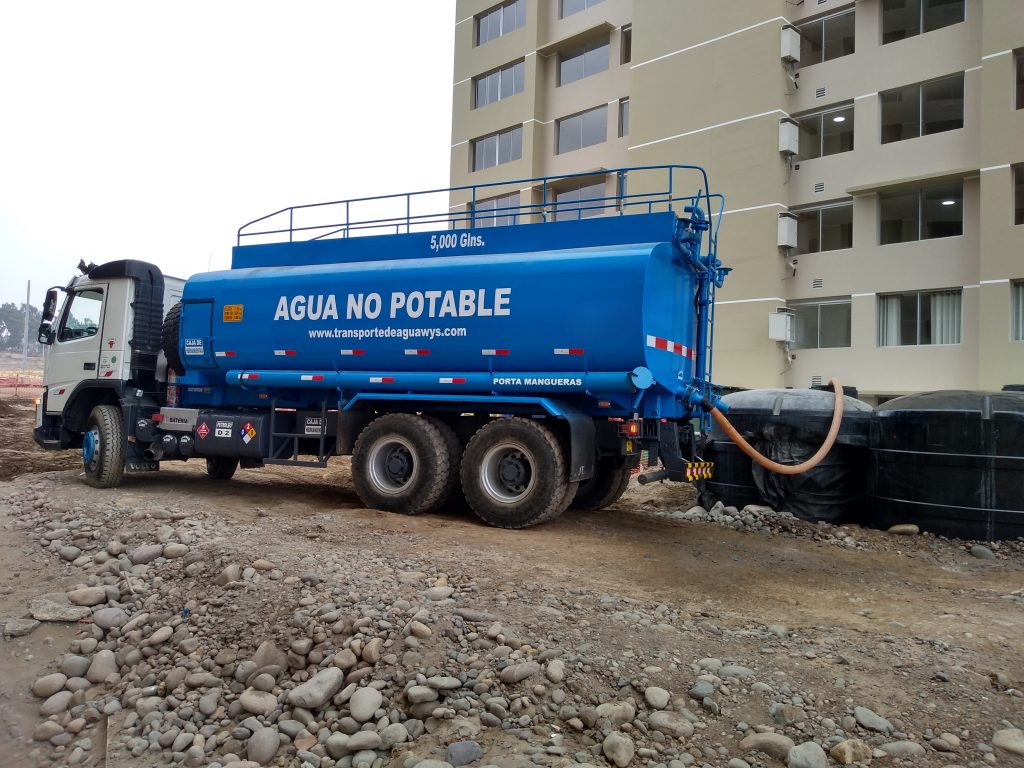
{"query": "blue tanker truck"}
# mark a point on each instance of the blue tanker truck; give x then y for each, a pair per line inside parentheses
(520, 354)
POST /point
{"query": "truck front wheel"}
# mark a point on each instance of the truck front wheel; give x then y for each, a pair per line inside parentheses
(514, 474)
(103, 447)
(400, 464)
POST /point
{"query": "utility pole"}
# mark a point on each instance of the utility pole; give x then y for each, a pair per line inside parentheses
(24, 338)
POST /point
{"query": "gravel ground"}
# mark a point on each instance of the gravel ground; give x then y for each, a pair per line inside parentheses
(272, 619)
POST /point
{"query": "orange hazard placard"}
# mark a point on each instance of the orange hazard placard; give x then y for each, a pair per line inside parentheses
(233, 313)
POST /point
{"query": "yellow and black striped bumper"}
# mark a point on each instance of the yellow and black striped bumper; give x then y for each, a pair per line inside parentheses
(699, 470)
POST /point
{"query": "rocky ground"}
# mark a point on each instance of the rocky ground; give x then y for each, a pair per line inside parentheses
(272, 619)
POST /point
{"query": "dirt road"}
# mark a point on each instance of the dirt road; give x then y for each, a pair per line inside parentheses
(793, 633)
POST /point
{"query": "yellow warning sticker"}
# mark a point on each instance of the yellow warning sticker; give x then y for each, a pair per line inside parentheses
(233, 313)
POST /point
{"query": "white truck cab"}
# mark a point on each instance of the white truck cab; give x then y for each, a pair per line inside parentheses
(103, 351)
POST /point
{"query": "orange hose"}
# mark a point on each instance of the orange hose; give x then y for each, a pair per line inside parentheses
(788, 469)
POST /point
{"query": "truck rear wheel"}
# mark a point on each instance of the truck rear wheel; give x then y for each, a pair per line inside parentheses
(400, 463)
(609, 482)
(221, 467)
(514, 474)
(453, 448)
(103, 447)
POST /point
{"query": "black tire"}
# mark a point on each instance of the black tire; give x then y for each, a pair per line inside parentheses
(452, 488)
(103, 447)
(221, 467)
(400, 464)
(169, 339)
(610, 480)
(514, 474)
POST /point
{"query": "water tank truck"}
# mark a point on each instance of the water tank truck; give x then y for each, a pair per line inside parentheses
(523, 356)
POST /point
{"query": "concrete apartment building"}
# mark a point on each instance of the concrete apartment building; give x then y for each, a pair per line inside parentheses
(871, 154)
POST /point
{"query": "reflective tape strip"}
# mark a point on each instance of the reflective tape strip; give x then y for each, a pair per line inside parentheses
(493, 352)
(382, 379)
(355, 352)
(316, 377)
(450, 380)
(284, 352)
(250, 376)
(670, 346)
(569, 351)
(417, 351)
(223, 354)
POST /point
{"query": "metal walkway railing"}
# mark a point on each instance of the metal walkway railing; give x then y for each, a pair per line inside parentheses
(641, 189)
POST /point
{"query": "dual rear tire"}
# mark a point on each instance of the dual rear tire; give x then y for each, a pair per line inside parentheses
(512, 473)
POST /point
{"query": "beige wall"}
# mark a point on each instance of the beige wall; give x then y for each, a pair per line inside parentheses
(707, 86)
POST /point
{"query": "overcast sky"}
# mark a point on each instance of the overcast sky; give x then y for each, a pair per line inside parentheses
(154, 130)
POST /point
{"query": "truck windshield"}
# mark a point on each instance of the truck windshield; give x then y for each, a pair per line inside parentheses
(82, 315)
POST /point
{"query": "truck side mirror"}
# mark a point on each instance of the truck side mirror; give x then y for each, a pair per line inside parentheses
(45, 334)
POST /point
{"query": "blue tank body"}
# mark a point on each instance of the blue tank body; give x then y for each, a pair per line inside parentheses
(600, 314)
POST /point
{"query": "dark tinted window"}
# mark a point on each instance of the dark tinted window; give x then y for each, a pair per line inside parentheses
(498, 148)
(827, 39)
(906, 18)
(499, 84)
(500, 20)
(583, 61)
(582, 130)
(825, 229)
(569, 7)
(922, 109)
(826, 133)
(921, 214)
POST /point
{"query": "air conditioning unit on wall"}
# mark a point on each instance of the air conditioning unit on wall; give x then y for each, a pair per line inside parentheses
(789, 136)
(780, 325)
(790, 44)
(787, 230)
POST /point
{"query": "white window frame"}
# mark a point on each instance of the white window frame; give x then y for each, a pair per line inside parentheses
(818, 304)
(518, 22)
(509, 70)
(561, 122)
(959, 292)
(515, 154)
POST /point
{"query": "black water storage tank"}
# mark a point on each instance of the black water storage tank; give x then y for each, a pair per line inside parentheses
(788, 426)
(951, 462)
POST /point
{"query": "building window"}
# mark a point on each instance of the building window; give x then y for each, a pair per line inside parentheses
(826, 39)
(499, 84)
(1018, 68)
(583, 62)
(582, 130)
(581, 200)
(569, 7)
(822, 324)
(924, 317)
(1018, 194)
(826, 133)
(502, 147)
(500, 20)
(824, 229)
(923, 109)
(921, 214)
(1017, 310)
(905, 18)
(627, 46)
(502, 211)
(623, 117)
